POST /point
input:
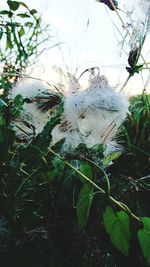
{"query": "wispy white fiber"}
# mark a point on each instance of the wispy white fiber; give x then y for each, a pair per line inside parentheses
(91, 116)
(139, 22)
(31, 112)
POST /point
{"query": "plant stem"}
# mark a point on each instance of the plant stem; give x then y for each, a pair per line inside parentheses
(119, 204)
(105, 174)
(23, 75)
(26, 180)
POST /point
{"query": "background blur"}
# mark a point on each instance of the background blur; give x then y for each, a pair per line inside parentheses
(89, 34)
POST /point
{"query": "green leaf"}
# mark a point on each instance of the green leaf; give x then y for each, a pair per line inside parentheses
(83, 204)
(18, 100)
(43, 139)
(58, 146)
(138, 68)
(1, 33)
(14, 5)
(98, 148)
(111, 157)
(86, 169)
(29, 24)
(58, 164)
(17, 106)
(6, 12)
(23, 4)
(9, 44)
(2, 103)
(7, 136)
(144, 238)
(117, 225)
(51, 175)
(109, 218)
(23, 15)
(21, 32)
(36, 151)
(33, 11)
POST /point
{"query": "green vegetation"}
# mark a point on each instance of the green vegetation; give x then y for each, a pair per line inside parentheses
(70, 210)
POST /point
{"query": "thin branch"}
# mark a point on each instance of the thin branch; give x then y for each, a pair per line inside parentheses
(119, 204)
(23, 76)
